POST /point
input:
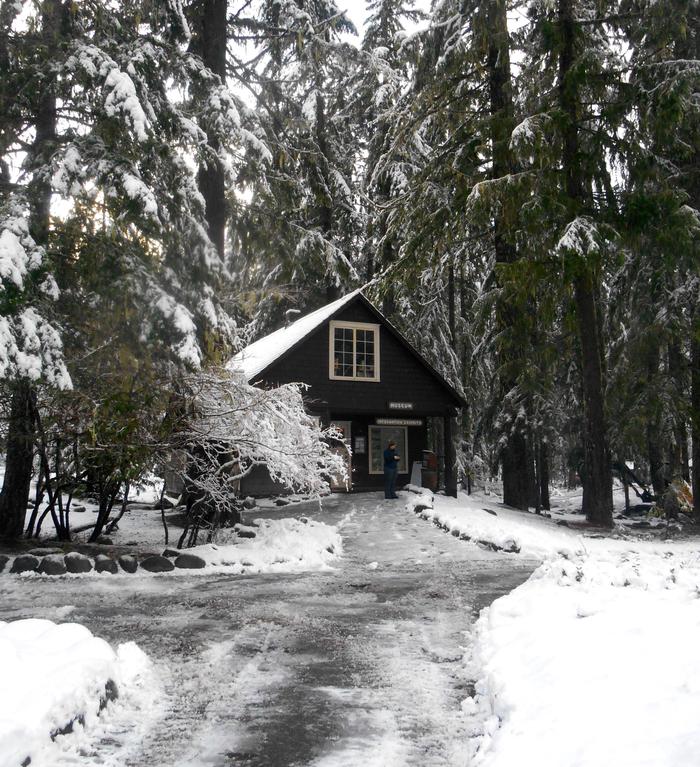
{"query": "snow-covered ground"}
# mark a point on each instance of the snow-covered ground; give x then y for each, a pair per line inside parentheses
(591, 662)
(280, 545)
(57, 677)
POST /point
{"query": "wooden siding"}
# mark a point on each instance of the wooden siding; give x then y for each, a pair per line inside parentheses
(361, 478)
(404, 378)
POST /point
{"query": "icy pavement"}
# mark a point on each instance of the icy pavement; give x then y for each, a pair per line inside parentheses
(356, 667)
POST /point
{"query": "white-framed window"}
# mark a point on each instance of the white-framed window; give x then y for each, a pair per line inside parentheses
(379, 437)
(353, 351)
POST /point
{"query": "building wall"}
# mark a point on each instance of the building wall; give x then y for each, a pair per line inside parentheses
(402, 376)
(362, 479)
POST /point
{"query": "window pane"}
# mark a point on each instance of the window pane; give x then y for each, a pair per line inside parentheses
(353, 353)
(379, 437)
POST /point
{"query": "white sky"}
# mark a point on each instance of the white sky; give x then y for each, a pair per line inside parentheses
(357, 12)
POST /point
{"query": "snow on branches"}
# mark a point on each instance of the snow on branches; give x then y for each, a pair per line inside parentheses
(254, 426)
(30, 346)
(232, 427)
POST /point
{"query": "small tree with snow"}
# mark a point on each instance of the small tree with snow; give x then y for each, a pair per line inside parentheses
(228, 428)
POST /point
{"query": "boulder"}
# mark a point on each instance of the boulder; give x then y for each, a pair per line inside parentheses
(128, 563)
(105, 564)
(53, 564)
(249, 503)
(190, 562)
(79, 508)
(171, 553)
(4, 559)
(167, 502)
(244, 531)
(77, 562)
(25, 563)
(157, 564)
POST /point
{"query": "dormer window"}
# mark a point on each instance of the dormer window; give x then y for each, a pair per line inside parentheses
(354, 351)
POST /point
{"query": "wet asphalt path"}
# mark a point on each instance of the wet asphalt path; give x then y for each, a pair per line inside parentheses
(353, 668)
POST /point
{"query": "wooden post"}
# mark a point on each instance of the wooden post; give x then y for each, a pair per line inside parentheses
(450, 458)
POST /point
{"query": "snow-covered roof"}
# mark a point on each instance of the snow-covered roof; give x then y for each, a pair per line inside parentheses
(252, 360)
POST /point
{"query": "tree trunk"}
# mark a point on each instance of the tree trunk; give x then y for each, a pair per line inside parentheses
(18, 464)
(450, 457)
(516, 478)
(678, 452)
(653, 425)
(514, 455)
(544, 475)
(209, 38)
(15, 490)
(695, 411)
(597, 479)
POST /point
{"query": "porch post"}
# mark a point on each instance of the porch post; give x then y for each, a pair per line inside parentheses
(450, 457)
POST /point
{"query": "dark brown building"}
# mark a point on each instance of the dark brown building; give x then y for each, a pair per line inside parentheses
(365, 378)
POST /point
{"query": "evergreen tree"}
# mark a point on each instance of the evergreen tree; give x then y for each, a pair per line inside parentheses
(105, 96)
(301, 226)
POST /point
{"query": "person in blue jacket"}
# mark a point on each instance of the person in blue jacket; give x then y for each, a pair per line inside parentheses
(391, 464)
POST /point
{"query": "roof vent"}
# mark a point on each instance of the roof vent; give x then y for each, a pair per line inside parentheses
(290, 315)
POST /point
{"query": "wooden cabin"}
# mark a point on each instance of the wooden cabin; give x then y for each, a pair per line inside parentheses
(365, 378)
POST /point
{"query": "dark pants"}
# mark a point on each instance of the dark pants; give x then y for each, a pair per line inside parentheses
(390, 483)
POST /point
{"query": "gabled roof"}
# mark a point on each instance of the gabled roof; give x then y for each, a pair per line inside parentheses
(256, 358)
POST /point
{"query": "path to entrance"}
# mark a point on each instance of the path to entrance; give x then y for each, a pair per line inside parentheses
(359, 667)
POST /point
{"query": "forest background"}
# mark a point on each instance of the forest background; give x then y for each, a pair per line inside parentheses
(517, 185)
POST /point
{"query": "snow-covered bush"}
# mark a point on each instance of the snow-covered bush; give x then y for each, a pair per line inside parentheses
(230, 427)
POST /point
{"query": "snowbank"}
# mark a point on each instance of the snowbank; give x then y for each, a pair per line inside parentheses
(54, 675)
(592, 662)
(484, 521)
(280, 545)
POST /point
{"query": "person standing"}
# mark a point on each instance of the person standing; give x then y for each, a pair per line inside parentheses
(391, 467)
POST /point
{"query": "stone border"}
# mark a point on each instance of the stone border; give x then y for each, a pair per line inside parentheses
(423, 508)
(54, 562)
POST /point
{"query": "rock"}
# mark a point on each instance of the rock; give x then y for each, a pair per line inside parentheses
(105, 540)
(281, 502)
(39, 552)
(105, 564)
(190, 562)
(25, 563)
(131, 543)
(79, 508)
(249, 503)
(242, 531)
(128, 563)
(490, 511)
(53, 564)
(167, 502)
(77, 562)
(171, 553)
(4, 559)
(562, 523)
(157, 564)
